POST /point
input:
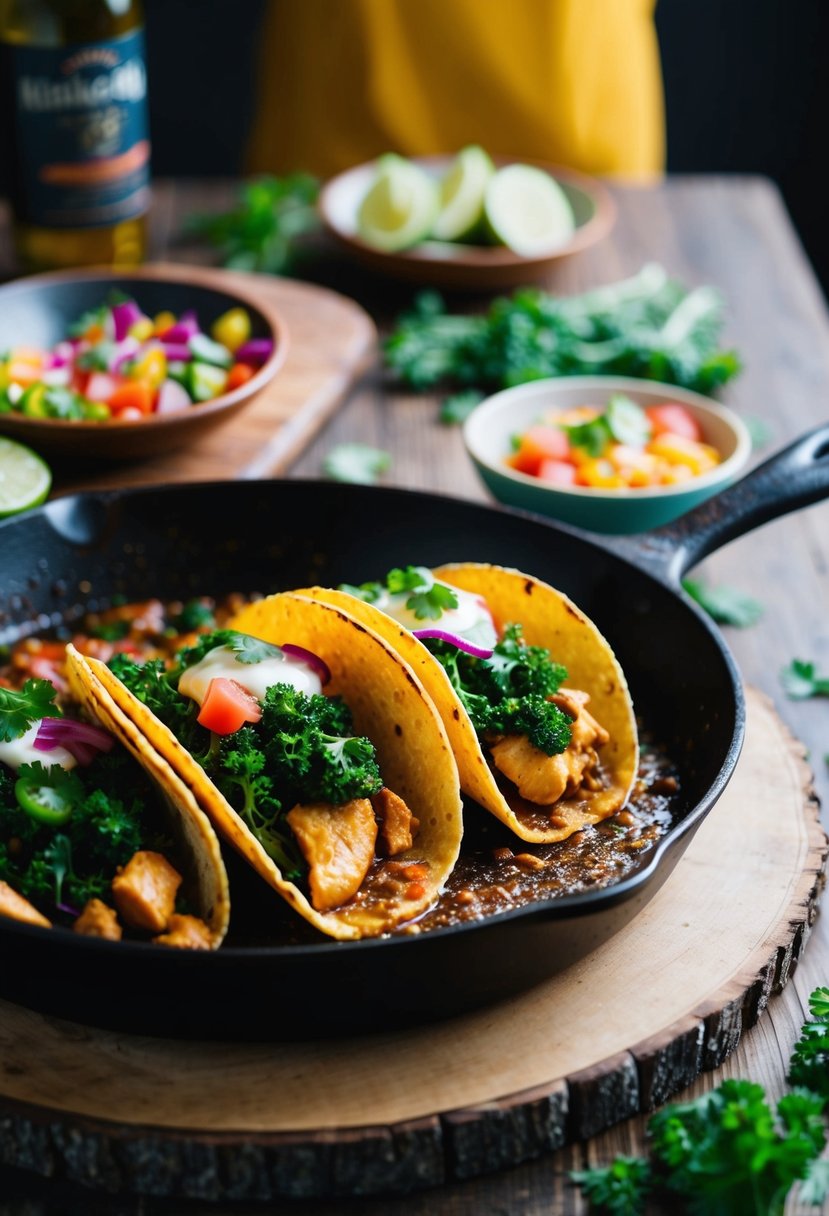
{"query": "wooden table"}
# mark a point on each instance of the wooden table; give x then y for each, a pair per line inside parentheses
(732, 232)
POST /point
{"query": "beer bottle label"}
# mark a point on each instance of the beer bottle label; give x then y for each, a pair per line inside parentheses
(82, 144)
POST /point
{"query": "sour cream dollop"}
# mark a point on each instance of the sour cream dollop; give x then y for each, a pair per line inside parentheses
(22, 750)
(471, 617)
(257, 678)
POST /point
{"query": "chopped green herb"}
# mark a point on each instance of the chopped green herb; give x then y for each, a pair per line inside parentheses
(111, 631)
(648, 326)
(620, 1188)
(457, 408)
(262, 232)
(726, 605)
(809, 1064)
(356, 462)
(800, 681)
(728, 1153)
(19, 708)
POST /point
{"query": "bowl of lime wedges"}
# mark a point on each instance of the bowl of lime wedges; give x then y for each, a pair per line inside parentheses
(468, 221)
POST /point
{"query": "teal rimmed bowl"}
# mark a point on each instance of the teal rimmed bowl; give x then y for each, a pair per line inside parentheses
(489, 429)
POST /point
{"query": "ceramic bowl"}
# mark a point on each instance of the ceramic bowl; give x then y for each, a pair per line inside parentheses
(37, 311)
(489, 429)
(457, 265)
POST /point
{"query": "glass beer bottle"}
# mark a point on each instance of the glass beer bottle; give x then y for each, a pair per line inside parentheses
(75, 90)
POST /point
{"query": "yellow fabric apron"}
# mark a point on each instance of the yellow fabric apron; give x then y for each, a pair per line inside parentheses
(576, 82)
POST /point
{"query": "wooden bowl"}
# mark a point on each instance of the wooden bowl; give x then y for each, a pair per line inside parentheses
(456, 265)
(37, 311)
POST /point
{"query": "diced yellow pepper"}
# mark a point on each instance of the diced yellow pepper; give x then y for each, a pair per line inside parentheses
(675, 474)
(162, 321)
(151, 367)
(232, 328)
(636, 466)
(575, 416)
(676, 449)
(600, 474)
(142, 330)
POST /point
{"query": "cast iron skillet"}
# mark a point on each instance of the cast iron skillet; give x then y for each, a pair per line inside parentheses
(77, 552)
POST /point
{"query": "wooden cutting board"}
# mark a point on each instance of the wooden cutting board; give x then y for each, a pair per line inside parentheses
(332, 340)
(617, 1033)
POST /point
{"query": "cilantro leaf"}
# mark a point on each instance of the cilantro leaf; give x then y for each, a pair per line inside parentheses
(726, 605)
(592, 436)
(19, 708)
(357, 463)
(429, 599)
(800, 681)
(250, 650)
(620, 1189)
(457, 408)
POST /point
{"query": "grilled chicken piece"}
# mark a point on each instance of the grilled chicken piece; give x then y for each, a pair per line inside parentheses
(544, 779)
(338, 844)
(18, 908)
(398, 825)
(98, 920)
(538, 777)
(186, 933)
(144, 891)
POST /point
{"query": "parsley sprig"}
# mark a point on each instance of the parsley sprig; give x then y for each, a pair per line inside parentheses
(19, 708)
(729, 1153)
(427, 598)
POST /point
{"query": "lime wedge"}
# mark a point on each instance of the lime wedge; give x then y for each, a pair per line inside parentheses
(528, 211)
(462, 190)
(400, 206)
(25, 479)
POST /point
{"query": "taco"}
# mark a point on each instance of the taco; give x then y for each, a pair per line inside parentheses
(92, 840)
(315, 753)
(512, 666)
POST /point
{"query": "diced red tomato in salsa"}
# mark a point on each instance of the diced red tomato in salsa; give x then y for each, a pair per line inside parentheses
(673, 418)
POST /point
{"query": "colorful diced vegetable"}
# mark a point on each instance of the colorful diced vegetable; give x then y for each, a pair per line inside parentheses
(118, 362)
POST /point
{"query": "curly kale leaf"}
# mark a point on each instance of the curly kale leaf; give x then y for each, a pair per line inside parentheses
(507, 693)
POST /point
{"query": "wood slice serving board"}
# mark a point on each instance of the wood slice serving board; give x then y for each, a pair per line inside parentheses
(331, 341)
(616, 1034)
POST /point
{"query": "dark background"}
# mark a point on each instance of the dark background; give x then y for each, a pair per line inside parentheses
(746, 91)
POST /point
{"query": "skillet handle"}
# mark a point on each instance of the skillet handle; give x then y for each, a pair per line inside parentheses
(794, 477)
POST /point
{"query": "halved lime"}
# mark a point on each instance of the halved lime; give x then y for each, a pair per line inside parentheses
(462, 190)
(25, 479)
(400, 206)
(528, 211)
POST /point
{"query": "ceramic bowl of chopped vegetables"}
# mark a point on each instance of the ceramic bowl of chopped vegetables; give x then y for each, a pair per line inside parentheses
(606, 453)
(117, 366)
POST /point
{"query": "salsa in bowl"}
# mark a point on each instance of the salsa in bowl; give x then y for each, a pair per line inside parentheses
(118, 366)
(610, 454)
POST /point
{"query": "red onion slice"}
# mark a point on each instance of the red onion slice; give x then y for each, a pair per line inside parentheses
(125, 315)
(176, 352)
(183, 329)
(255, 351)
(310, 659)
(79, 738)
(454, 639)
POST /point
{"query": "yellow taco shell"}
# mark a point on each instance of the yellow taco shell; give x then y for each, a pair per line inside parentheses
(388, 705)
(198, 853)
(549, 619)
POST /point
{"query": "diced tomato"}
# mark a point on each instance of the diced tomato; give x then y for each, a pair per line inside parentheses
(227, 706)
(238, 375)
(557, 472)
(538, 444)
(674, 418)
(134, 395)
